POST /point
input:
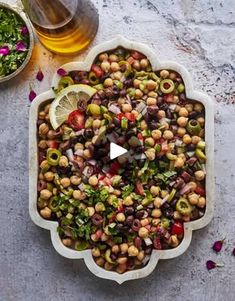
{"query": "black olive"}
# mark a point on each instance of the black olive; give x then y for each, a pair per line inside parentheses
(129, 220)
(123, 92)
(173, 122)
(168, 113)
(193, 115)
(139, 214)
(153, 125)
(88, 133)
(152, 111)
(130, 133)
(190, 147)
(129, 211)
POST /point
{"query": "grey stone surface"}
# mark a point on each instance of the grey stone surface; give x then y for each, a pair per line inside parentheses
(199, 34)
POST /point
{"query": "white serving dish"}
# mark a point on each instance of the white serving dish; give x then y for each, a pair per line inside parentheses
(33, 164)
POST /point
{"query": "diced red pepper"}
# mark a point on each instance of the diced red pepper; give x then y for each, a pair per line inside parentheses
(177, 228)
(114, 168)
(98, 234)
(140, 136)
(157, 243)
(130, 116)
(107, 181)
(137, 55)
(168, 98)
(52, 144)
(120, 116)
(139, 188)
(200, 190)
(130, 60)
(164, 147)
(112, 218)
(97, 70)
(121, 208)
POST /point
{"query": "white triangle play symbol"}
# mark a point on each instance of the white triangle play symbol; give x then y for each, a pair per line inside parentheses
(116, 150)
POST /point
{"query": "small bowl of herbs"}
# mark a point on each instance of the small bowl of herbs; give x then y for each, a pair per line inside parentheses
(16, 41)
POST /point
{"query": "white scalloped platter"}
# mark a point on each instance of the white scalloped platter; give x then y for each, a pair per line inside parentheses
(156, 255)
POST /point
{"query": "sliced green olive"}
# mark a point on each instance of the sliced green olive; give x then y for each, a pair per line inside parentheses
(65, 82)
(193, 127)
(53, 204)
(171, 195)
(53, 156)
(81, 245)
(183, 206)
(41, 203)
(199, 153)
(107, 256)
(167, 86)
(94, 109)
(165, 222)
(128, 67)
(93, 79)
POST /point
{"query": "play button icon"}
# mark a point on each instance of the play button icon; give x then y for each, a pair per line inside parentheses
(116, 150)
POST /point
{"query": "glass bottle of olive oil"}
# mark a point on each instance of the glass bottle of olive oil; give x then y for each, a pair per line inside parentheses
(63, 26)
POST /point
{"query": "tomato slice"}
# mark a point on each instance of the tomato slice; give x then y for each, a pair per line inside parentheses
(120, 116)
(177, 228)
(137, 55)
(52, 144)
(76, 120)
(97, 70)
(130, 116)
(200, 190)
(139, 188)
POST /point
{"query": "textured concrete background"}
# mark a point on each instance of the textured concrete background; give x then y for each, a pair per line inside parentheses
(199, 34)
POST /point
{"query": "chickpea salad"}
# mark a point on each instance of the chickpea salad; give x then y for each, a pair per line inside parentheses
(121, 209)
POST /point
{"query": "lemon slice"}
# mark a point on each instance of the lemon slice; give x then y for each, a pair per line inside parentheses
(67, 102)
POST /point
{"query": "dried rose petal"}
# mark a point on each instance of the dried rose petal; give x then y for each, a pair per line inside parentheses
(234, 252)
(211, 265)
(217, 246)
(40, 75)
(24, 31)
(4, 50)
(32, 95)
(61, 72)
(20, 46)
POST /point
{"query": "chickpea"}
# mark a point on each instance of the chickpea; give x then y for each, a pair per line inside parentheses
(135, 113)
(117, 192)
(100, 261)
(51, 135)
(41, 115)
(133, 251)
(168, 135)
(87, 144)
(45, 212)
(108, 82)
(156, 213)
(117, 75)
(103, 57)
(150, 154)
(182, 121)
(175, 99)
(151, 101)
(164, 193)
(105, 66)
(115, 249)
(95, 252)
(67, 242)
(78, 146)
(126, 107)
(77, 195)
(161, 114)
(151, 85)
(122, 159)
(63, 161)
(43, 164)
(136, 65)
(121, 101)
(121, 268)
(199, 175)
(87, 154)
(196, 139)
(193, 198)
(43, 129)
(156, 134)
(93, 181)
(157, 202)
(149, 141)
(113, 58)
(42, 144)
(192, 185)
(201, 202)
(122, 260)
(136, 83)
(143, 125)
(189, 107)
(108, 266)
(143, 232)
(128, 201)
(187, 139)
(96, 124)
(124, 248)
(181, 131)
(41, 176)
(49, 176)
(154, 190)
(91, 211)
(179, 162)
(183, 112)
(144, 63)
(65, 182)
(120, 217)
(104, 237)
(164, 73)
(141, 256)
(45, 194)
(177, 215)
(155, 221)
(201, 120)
(75, 180)
(114, 67)
(174, 241)
(138, 93)
(198, 107)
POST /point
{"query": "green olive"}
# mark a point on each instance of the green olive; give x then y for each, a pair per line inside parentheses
(64, 82)
(183, 206)
(167, 86)
(53, 204)
(81, 245)
(93, 79)
(193, 127)
(53, 156)
(107, 256)
(94, 109)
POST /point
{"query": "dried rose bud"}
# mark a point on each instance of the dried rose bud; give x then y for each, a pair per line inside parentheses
(40, 75)
(24, 31)
(20, 46)
(217, 246)
(211, 265)
(234, 252)
(61, 72)
(32, 94)
(4, 50)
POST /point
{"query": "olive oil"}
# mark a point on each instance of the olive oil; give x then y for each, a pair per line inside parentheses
(63, 26)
